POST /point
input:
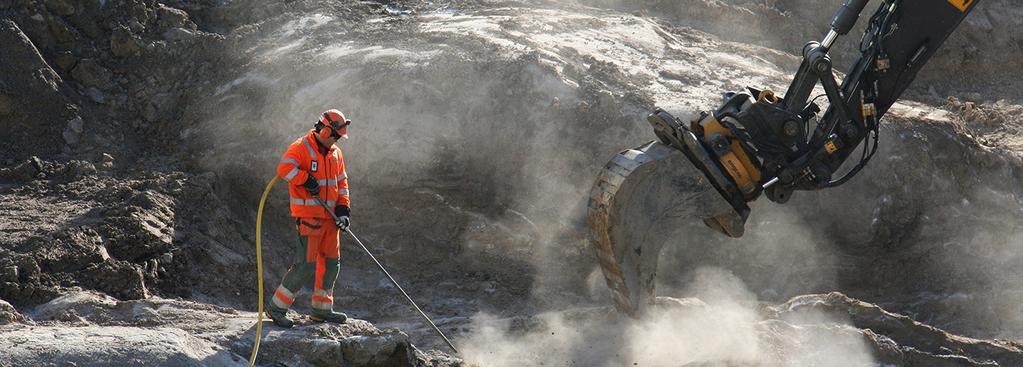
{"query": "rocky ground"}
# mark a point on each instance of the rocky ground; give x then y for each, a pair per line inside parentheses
(87, 328)
(142, 135)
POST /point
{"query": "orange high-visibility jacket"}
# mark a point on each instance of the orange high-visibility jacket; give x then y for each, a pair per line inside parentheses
(302, 159)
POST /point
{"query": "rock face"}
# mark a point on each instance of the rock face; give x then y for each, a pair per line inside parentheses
(30, 91)
(899, 340)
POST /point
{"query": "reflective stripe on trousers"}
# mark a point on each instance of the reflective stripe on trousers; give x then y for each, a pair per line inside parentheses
(323, 300)
(283, 298)
(323, 305)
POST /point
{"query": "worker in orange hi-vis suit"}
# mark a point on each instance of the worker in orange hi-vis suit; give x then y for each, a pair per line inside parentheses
(314, 168)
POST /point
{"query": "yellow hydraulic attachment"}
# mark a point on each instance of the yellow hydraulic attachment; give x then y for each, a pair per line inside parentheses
(732, 157)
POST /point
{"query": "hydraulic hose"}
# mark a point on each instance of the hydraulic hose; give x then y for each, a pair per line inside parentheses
(259, 273)
(259, 270)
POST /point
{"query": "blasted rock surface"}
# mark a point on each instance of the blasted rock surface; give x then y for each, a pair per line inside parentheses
(897, 339)
(89, 328)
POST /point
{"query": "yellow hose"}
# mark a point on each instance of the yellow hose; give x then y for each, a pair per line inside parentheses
(259, 270)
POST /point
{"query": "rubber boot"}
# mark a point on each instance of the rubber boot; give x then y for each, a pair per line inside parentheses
(329, 316)
(279, 317)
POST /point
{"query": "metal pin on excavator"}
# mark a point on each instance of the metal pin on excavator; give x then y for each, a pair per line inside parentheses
(759, 143)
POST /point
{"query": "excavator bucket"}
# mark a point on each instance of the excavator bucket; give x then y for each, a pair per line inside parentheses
(645, 198)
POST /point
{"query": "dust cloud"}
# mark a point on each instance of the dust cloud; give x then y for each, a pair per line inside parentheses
(719, 326)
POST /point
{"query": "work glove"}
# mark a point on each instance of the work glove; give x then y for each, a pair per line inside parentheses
(343, 214)
(312, 186)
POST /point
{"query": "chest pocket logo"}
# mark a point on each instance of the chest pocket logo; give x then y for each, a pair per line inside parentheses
(313, 166)
(962, 5)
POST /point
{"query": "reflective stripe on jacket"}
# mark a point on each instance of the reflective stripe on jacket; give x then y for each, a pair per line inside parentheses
(302, 159)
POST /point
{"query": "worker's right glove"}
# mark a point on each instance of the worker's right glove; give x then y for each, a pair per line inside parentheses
(312, 186)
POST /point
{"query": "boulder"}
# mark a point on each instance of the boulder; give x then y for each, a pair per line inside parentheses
(389, 348)
(73, 132)
(143, 229)
(76, 124)
(123, 43)
(28, 269)
(8, 314)
(106, 161)
(77, 169)
(120, 279)
(178, 34)
(82, 345)
(24, 171)
(168, 18)
(90, 306)
(355, 343)
(91, 74)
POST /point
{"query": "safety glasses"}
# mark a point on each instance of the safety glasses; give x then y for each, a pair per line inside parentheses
(337, 125)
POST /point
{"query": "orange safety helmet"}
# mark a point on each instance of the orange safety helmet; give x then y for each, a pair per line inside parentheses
(336, 123)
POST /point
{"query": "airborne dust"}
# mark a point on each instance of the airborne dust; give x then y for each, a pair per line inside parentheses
(508, 139)
(479, 128)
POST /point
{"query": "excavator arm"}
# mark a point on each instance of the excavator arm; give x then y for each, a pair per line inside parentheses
(781, 143)
(900, 38)
(758, 142)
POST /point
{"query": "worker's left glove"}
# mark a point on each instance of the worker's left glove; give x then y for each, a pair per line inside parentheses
(312, 186)
(343, 214)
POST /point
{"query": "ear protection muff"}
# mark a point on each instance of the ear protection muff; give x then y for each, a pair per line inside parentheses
(322, 131)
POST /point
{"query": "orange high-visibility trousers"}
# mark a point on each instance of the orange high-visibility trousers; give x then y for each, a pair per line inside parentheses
(317, 258)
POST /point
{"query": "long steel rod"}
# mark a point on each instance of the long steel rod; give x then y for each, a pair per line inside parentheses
(402, 290)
